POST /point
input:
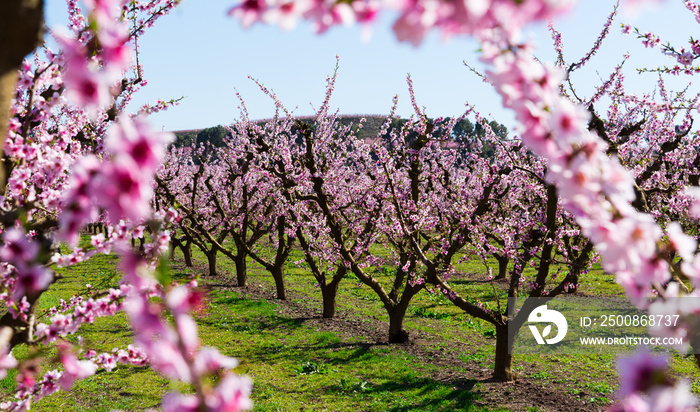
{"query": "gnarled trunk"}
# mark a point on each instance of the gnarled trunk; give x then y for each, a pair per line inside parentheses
(278, 275)
(503, 367)
(21, 30)
(502, 266)
(211, 260)
(186, 249)
(396, 332)
(329, 293)
(241, 268)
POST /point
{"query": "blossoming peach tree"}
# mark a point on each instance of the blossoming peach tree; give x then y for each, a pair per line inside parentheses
(72, 154)
(588, 159)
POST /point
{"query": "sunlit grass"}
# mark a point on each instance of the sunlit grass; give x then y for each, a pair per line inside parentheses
(294, 365)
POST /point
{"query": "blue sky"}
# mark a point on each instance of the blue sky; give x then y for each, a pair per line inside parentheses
(201, 54)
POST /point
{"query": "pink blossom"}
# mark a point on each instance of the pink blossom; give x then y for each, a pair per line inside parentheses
(116, 53)
(695, 46)
(366, 11)
(17, 248)
(627, 243)
(325, 17)
(85, 85)
(49, 383)
(640, 372)
(107, 361)
(171, 215)
(106, 12)
(7, 361)
(158, 340)
(135, 139)
(187, 332)
(686, 58)
(137, 271)
(694, 193)
(631, 403)
(211, 360)
(567, 121)
(681, 243)
(417, 17)
(692, 270)
(286, 14)
(232, 394)
(676, 398)
(74, 369)
(31, 280)
(181, 299)
(122, 190)
(249, 11)
(165, 357)
(176, 402)
(137, 232)
(99, 243)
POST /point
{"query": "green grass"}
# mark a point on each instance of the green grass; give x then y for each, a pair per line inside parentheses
(125, 388)
(295, 366)
(434, 314)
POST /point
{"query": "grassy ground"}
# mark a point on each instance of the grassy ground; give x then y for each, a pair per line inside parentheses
(299, 362)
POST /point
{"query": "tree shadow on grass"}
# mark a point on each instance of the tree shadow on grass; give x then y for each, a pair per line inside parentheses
(419, 394)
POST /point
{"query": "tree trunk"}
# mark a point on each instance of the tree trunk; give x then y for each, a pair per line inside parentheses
(278, 275)
(503, 368)
(241, 268)
(502, 266)
(211, 259)
(329, 293)
(396, 332)
(186, 249)
(21, 30)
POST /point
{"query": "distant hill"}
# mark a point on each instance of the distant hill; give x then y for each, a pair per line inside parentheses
(189, 137)
(185, 137)
(462, 135)
(370, 128)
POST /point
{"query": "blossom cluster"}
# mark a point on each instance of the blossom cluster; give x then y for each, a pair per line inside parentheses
(31, 388)
(73, 157)
(174, 350)
(121, 186)
(416, 17)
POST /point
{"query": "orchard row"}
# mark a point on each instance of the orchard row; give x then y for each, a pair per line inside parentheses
(401, 209)
(592, 174)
